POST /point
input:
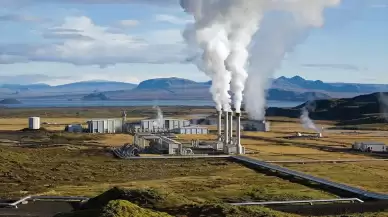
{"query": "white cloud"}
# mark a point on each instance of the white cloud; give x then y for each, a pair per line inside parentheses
(82, 42)
(18, 3)
(129, 23)
(171, 19)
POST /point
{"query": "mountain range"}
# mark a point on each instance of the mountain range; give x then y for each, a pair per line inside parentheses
(294, 89)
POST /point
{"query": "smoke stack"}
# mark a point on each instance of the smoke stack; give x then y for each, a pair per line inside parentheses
(230, 127)
(226, 129)
(219, 123)
(238, 133)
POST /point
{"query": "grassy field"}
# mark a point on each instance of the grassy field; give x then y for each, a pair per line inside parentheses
(84, 171)
(372, 176)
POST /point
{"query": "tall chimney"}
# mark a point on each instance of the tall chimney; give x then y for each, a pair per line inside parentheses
(230, 127)
(226, 129)
(219, 123)
(238, 133)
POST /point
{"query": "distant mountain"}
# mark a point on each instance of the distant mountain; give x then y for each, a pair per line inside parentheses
(294, 89)
(299, 83)
(24, 87)
(10, 101)
(97, 85)
(362, 109)
(43, 90)
(165, 83)
(184, 89)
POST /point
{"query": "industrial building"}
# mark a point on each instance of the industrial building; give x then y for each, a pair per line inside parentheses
(159, 144)
(156, 125)
(258, 126)
(168, 124)
(369, 146)
(114, 125)
(191, 130)
(34, 123)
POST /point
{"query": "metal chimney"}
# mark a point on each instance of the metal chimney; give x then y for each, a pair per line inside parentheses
(230, 127)
(238, 133)
(219, 123)
(226, 129)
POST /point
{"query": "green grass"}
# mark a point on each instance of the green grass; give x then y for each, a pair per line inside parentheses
(371, 176)
(85, 171)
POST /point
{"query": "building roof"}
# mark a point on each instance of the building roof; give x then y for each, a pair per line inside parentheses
(170, 119)
(370, 143)
(103, 119)
(193, 126)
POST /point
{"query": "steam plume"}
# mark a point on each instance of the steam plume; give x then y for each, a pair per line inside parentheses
(224, 29)
(383, 99)
(159, 117)
(307, 122)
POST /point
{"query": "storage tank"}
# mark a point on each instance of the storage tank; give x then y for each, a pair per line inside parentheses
(34, 123)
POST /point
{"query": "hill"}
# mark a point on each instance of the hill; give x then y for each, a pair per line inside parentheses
(368, 108)
(10, 101)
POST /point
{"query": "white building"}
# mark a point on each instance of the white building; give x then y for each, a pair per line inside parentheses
(34, 123)
(114, 125)
(369, 146)
(192, 130)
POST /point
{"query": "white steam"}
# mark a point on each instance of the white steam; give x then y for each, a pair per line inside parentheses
(159, 117)
(383, 99)
(231, 32)
(307, 122)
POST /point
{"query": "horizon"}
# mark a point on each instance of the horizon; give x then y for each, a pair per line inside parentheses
(65, 42)
(200, 81)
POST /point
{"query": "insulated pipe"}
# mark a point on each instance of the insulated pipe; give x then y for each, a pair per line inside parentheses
(238, 133)
(230, 127)
(219, 123)
(226, 129)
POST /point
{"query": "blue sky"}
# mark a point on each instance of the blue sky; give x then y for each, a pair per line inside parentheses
(50, 42)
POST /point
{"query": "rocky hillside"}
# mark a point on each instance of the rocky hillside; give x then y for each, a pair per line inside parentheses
(368, 108)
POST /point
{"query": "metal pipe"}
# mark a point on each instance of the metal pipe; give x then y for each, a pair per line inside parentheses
(49, 198)
(323, 161)
(297, 201)
(219, 123)
(230, 127)
(226, 129)
(238, 133)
